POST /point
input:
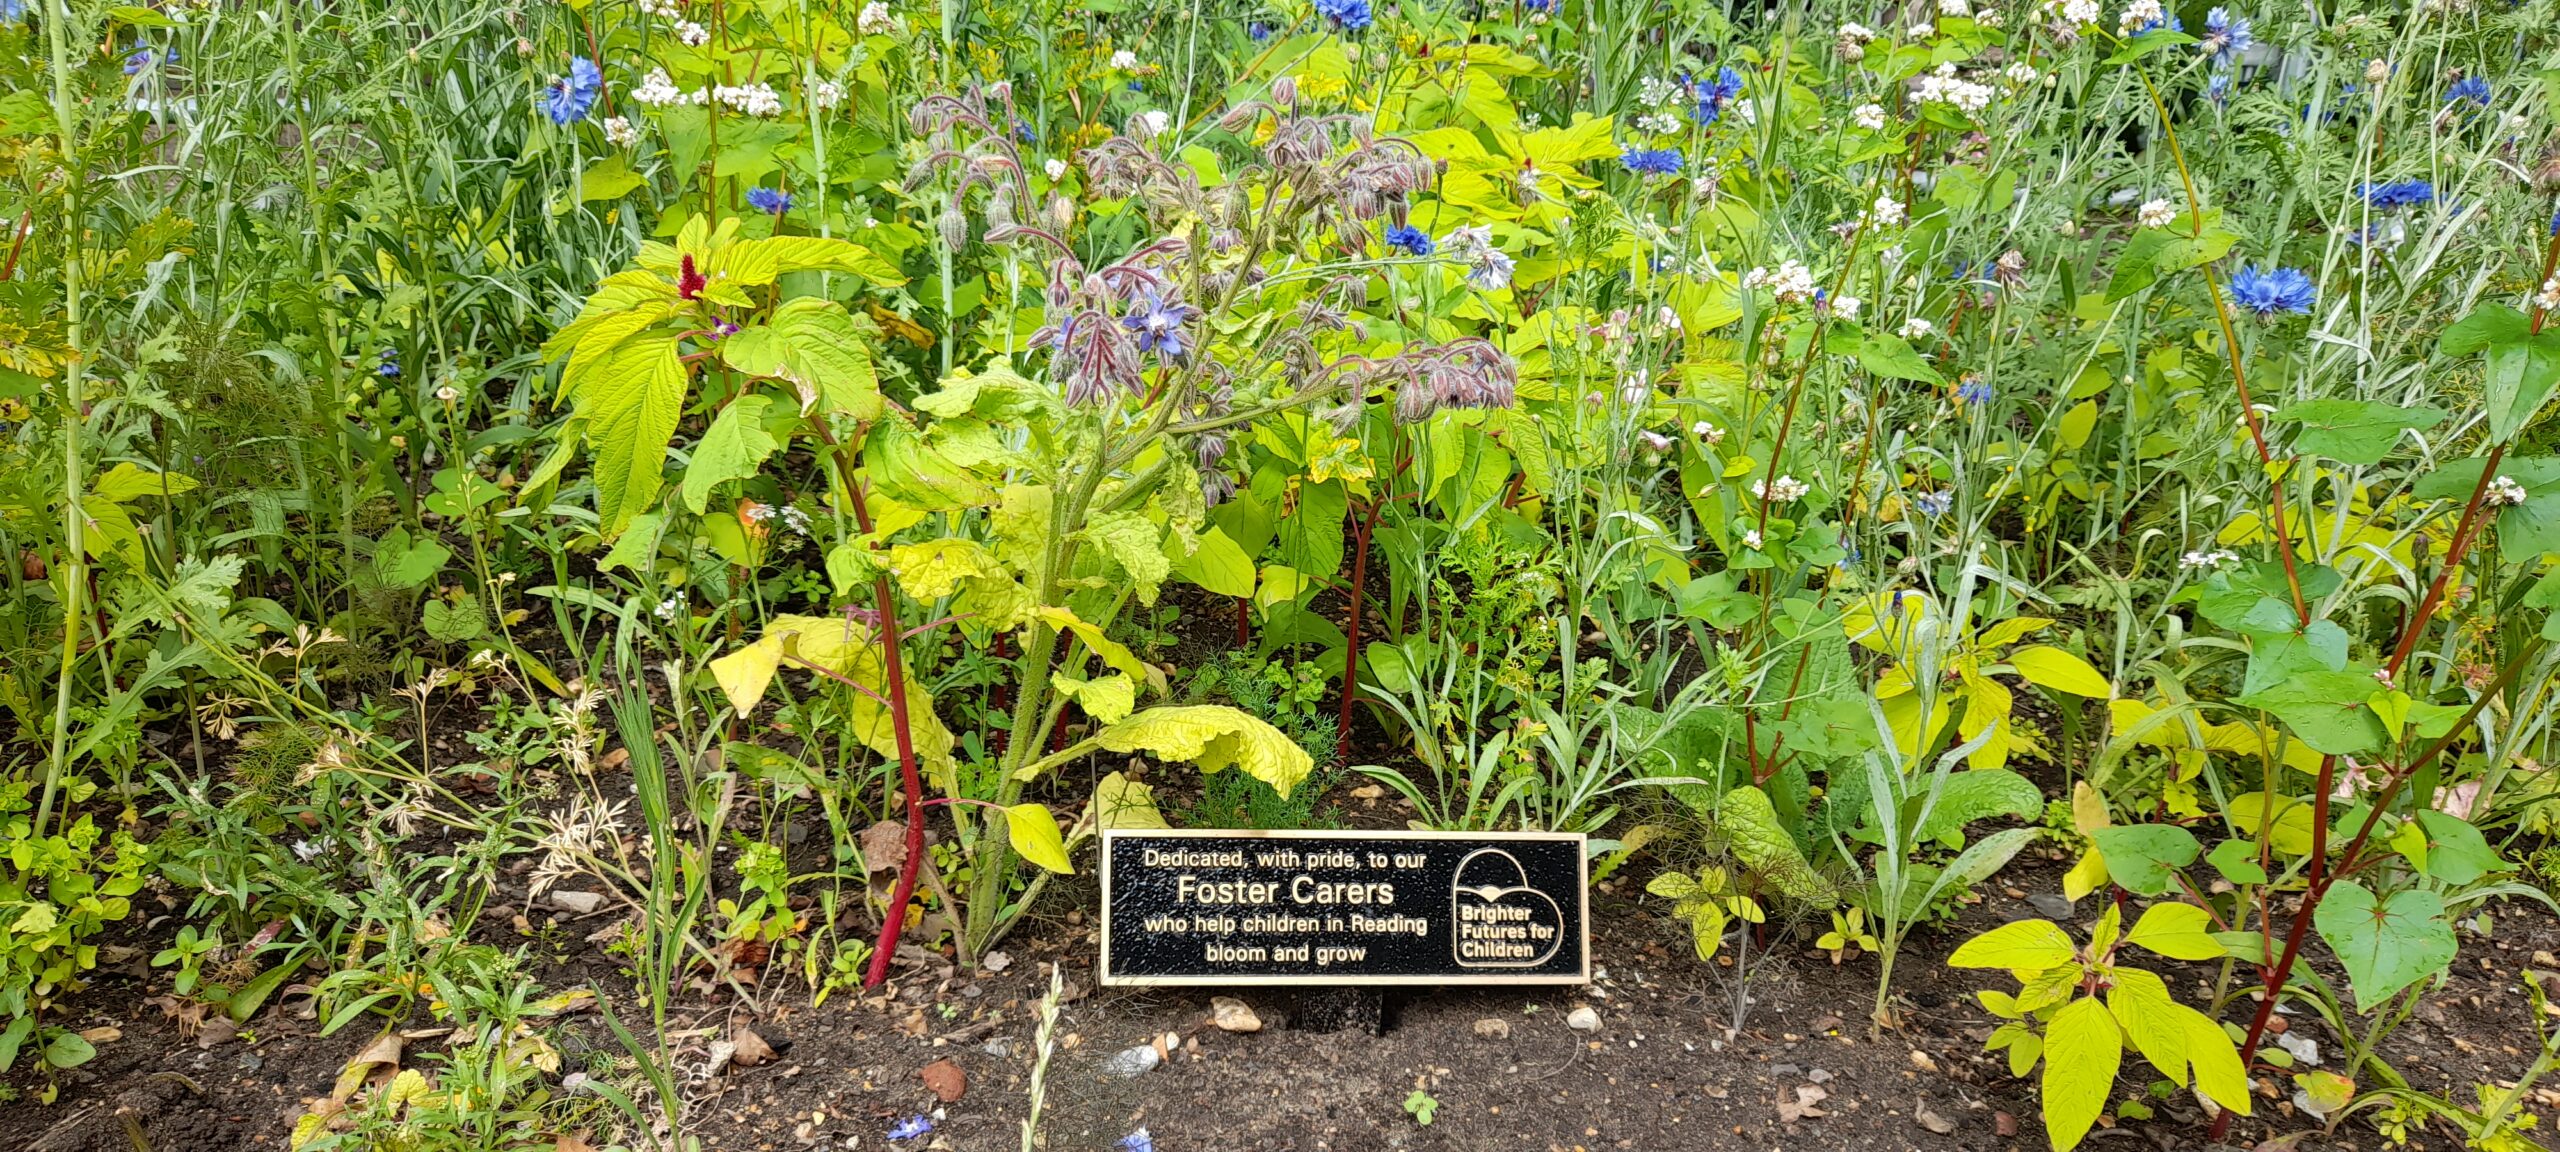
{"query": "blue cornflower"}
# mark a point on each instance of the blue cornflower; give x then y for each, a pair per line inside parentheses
(145, 57)
(2269, 291)
(1540, 5)
(773, 200)
(2398, 193)
(1651, 161)
(1348, 15)
(1138, 1141)
(2555, 223)
(2226, 36)
(1934, 503)
(910, 1128)
(2169, 21)
(573, 95)
(1409, 239)
(2471, 88)
(2218, 89)
(389, 369)
(1851, 557)
(1973, 390)
(1158, 323)
(1257, 31)
(1712, 97)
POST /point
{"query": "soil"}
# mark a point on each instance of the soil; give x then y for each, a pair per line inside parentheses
(1660, 1071)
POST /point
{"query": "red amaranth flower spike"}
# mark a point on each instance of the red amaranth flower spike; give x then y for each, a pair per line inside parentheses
(690, 282)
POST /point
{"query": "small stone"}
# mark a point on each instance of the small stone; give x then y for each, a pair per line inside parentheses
(1493, 1028)
(1583, 1019)
(1000, 1048)
(945, 1080)
(1129, 1062)
(2052, 904)
(2004, 1124)
(1921, 1061)
(1233, 1015)
(1932, 1121)
(2546, 959)
(576, 903)
(1819, 1076)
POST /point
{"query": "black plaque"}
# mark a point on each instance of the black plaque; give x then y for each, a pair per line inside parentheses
(1205, 906)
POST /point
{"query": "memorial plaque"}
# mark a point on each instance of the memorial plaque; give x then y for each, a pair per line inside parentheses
(1205, 906)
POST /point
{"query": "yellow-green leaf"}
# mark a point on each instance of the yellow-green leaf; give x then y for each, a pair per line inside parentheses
(1107, 699)
(2051, 667)
(2082, 1050)
(1034, 835)
(1119, 802)
(2177, 931)
(1215, 737)
(2022, 945)
(2219, 1074)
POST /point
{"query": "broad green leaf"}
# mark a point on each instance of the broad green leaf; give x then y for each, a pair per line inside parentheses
(756, 262)
(1215, 737)
(609, 178)
(1218, 565)
(2456, 852)
(1034, 835)
(2354, 431)
(2082, 1050)
(69, 1049)
(1752, 831)
(2076, 425)
(2237, 861)
(1112, 652)
(2145, 857)
(2522, 366)
(733, 448)
(815, 346)
(2385, 945)
(936, 568)
(2142, 1006)
(1980, 795)
(2287, 828)
(628, 402)
(2216, 1061)
(1892, 357)
(911, 472)
(2326, 710)
(126, 483)
(1136, 545)
(452, 622)
(2051, 667)
(2020, 946)
(401, 562)
(2177, 931)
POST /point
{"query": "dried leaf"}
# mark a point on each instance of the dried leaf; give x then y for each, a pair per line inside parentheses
(1807, 1096)
(946, 1080)
(884, 845)
(751, 1049)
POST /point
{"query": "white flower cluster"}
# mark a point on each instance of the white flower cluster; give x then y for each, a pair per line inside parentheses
(1656, 92)
(751, 99)
(1869, 117)
(1954, 8)
(1988, 18)
(1787, 490)
(2138, 13)
(1852, 43)
(2156, 213)
(1846, 307)
(619, 132)
(663, 9)
(1923, 30)
(2504, 492)
(2022, 74)
(1945, 87)
(1124, 60)
(1887, 212)
(1918, 328)
(1792, 282)
(2075, 13)
(2214, 559)
(1660, 123)
(875, 20)
(656, 90)
(825, 94)
(1707, 432)
(1056, 168)
(692, 35)
(2549, 300)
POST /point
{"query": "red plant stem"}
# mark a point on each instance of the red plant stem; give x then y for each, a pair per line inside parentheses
(1351, 645)
(894, 677)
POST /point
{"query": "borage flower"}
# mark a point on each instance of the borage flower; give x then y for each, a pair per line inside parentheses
(1158, 322)
(1409, 240)
(772, 200)
(2271, 291)
(573, 95)
(910, 1128)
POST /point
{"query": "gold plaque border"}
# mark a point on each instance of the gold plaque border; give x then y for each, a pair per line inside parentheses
(1582, 903)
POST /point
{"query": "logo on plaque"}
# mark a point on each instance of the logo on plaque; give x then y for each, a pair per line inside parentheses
(1497, 920)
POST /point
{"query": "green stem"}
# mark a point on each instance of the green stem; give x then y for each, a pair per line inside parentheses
(75, 559)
